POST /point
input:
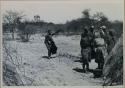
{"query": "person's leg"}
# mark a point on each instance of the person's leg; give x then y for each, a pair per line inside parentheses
(87, 66)
(88, 58)
(108, 50)
(82, 52)
(49, 53)
(99, 58)
(99, 65)
(83, 66)
(102, 64)
(81, 55)
(102, 60)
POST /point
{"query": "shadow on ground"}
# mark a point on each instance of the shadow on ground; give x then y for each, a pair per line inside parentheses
(78, 70)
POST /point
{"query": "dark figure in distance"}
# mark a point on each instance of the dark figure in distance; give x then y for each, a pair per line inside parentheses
(85, 50)
(50, 44)
(91, 34)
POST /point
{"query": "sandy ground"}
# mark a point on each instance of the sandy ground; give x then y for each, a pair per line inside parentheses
(39, 71)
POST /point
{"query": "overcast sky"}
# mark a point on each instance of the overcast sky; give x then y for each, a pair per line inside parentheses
(62, 11)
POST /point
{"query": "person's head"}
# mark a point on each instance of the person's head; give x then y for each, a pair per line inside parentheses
(111, 33)
(97, 34)
(103, 27)
(49, 32)
(92, 28)
(85, 30)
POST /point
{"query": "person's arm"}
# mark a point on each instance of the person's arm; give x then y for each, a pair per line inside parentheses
(81, 40)
(81, 43)
(102, 33)
(114, 40)
(55, 32)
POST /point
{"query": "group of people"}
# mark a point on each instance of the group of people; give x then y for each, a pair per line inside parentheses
(95, 44)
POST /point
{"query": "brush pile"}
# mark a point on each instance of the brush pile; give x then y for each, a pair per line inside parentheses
(113, 67)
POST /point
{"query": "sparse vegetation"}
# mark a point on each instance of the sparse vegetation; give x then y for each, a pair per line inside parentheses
(13, 25)
(76, 26)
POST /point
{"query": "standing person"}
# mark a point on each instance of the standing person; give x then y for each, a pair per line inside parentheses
(85, 50)
(99, 49)
(108, 37)
(105, 35)
(91, 34)
(50, 44)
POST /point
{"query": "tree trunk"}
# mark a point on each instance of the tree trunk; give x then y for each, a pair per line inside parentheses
(13, 35)
(27, 37)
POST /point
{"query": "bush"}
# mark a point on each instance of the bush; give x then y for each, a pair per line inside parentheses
(113, 67)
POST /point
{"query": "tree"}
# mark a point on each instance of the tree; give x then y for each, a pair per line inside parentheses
(37, 18)
(26, 30)
(86, 20)
(100, 19)
(113, 65)
(12, 18)
(86, 13)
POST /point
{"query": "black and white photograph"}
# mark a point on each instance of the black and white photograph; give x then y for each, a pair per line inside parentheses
(62, 42)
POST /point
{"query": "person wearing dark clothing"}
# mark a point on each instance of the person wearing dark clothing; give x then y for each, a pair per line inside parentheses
(85, 50)
(99, 58)
(50, 44)
(108, 37)
(91, 34)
